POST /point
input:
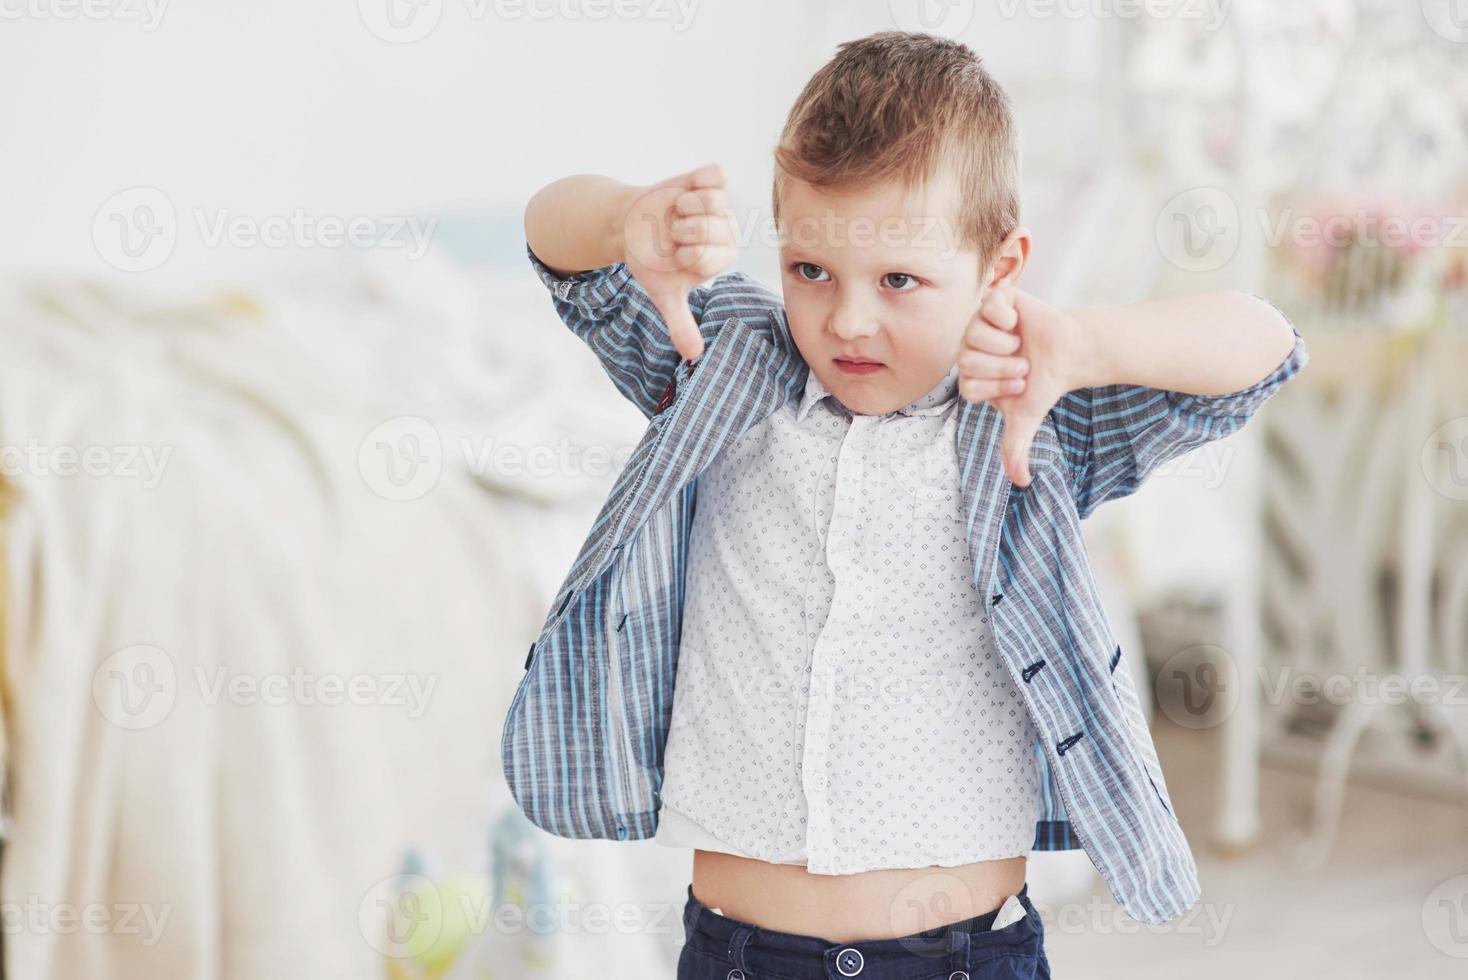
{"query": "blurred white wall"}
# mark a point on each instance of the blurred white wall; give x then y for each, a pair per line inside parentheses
(264, 108)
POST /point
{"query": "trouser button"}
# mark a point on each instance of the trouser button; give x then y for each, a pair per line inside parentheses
(849, 961)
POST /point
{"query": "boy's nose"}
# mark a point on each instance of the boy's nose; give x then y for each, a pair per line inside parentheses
(849, 322)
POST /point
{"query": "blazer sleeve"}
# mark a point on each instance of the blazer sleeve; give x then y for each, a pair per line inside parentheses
(1114, 436)
(610, 311)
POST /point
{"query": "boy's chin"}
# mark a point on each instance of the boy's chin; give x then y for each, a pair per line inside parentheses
(863, 399)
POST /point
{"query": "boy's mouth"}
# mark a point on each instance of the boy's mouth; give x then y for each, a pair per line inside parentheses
(859, 366)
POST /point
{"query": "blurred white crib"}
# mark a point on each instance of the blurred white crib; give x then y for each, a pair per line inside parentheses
(1366, 567)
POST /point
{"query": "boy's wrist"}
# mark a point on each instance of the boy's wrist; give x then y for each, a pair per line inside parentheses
(619, 206)
(1091, 364)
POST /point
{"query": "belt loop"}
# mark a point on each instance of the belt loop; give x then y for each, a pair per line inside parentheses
(960, 942)
(742, 935)
(691, 909)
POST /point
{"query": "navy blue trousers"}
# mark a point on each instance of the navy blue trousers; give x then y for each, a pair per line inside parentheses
(717, 947)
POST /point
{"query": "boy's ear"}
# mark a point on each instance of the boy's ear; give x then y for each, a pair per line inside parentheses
(1010, 258)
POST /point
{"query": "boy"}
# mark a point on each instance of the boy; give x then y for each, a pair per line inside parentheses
(851, 534)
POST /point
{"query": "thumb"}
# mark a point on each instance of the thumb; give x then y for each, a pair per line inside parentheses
(681, 326)
(707, 175)
(1019, 433)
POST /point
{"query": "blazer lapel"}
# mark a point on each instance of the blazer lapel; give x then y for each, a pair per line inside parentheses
(983, 481)
(741, 377)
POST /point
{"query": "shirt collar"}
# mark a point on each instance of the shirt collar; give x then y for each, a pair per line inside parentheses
(935, 401)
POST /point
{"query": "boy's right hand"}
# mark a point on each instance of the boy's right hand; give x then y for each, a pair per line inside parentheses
(678, 233)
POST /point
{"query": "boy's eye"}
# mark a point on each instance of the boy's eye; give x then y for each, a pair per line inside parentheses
(902, 281)
(802, 267)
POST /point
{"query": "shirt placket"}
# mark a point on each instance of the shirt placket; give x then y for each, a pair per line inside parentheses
(835, 646)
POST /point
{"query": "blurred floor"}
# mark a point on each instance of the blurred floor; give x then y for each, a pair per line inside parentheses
(1261, 916)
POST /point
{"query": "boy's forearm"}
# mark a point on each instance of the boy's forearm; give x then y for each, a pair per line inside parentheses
(1211, 343)
(576, 223)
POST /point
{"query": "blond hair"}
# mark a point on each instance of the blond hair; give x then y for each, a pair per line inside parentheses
(900, 105)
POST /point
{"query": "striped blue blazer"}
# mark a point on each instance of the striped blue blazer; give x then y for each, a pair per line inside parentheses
(582, 743)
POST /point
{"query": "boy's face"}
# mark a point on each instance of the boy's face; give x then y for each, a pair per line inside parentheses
(878, 274)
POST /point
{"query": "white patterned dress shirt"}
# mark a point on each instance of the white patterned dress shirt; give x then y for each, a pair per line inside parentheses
(839, 703)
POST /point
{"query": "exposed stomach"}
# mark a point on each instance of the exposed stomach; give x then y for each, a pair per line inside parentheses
(882, 904)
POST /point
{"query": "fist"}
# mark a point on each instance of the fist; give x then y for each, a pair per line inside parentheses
(676, 234)
(1017, 354)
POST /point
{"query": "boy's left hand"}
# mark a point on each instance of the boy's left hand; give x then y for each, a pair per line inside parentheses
(1019, 354)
